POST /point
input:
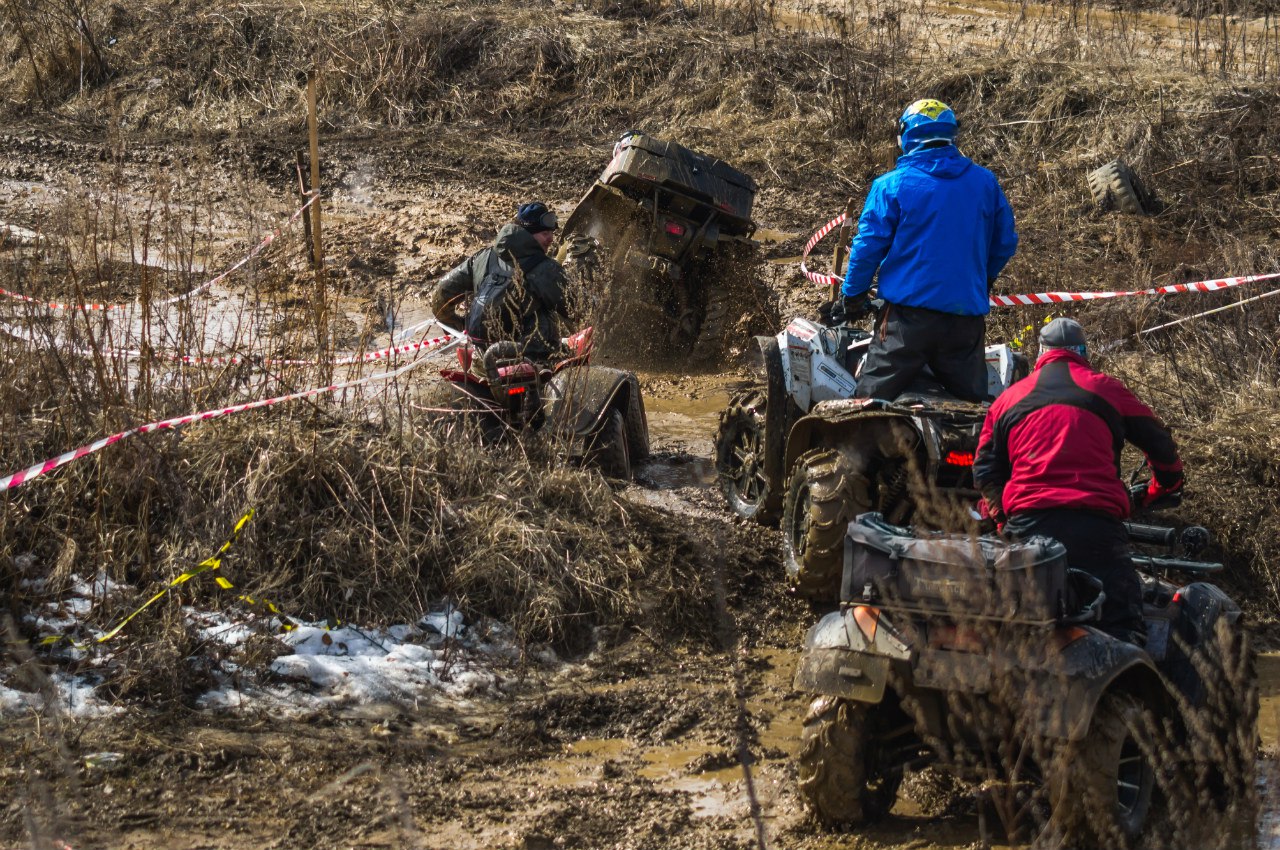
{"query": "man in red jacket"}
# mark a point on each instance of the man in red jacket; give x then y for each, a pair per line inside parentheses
(1048, 463)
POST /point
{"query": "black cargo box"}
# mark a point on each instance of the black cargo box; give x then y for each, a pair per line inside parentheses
(641, 159)
(956, 574)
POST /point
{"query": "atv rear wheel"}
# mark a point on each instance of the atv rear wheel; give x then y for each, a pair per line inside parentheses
(741, 455)
(825, 492)
(463, 407)
(637, 428)
(840, 777)
(731, 290)
(1102, 789)
(608, 449)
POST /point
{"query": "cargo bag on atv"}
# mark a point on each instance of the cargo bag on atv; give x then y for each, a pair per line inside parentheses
(958, 575)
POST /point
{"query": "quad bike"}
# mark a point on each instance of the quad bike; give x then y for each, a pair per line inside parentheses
(672, 228)
(597, 410)
(796, 446)
(964, 654)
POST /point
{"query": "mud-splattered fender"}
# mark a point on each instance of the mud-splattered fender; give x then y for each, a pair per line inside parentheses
(1063, 692)
(582, 395)
(846, 658)
(767, 357)
(832, 422)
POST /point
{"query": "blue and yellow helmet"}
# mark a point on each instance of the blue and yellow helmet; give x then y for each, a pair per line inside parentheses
(926, 120)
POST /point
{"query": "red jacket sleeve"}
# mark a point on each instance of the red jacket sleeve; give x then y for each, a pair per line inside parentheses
(1145, 430)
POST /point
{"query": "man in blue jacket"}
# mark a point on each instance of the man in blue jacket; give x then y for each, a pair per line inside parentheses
(939, 230)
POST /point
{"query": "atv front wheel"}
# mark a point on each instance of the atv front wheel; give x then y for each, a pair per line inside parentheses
(1102, 789)
(825, 492)
(741, 451)
(608, 449)
(840, 777)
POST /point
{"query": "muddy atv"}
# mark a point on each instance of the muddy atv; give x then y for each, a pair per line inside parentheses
(596, 411)
(672, 230)
(795, 446)
(978, 657)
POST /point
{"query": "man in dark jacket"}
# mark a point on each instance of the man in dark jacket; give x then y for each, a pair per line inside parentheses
(503, 305)
(1048, 463)
(938, 231)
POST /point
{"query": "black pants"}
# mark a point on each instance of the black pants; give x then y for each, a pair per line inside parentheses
(909, 338)
(1097, 544)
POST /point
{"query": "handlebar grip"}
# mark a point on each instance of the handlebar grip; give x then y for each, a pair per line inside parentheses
(1154, 534)
(1200, 567)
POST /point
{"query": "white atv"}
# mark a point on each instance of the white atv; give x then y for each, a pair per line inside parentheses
(798, 447)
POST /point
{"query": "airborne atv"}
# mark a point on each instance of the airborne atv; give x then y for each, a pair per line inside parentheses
(797, 446)
(597, 411)
(674, 229)
(977, 655)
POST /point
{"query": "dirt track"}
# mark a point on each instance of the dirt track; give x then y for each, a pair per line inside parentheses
(639, 746)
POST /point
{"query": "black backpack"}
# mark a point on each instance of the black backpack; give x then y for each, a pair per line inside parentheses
(490, 316)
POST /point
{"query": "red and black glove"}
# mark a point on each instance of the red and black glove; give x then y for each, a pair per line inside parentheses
(993, 514)
(1156, 491)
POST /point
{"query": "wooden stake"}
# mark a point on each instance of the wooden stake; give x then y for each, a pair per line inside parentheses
(840, 252)
(314, 130)
(321, 305)
(303, 192)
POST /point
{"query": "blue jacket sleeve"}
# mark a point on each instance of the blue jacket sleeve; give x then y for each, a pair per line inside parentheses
(876, 226)
(1004, 239)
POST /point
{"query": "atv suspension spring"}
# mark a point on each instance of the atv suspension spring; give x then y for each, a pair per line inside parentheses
(893, 487)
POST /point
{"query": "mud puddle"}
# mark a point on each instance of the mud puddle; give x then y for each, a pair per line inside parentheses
(1268, 672)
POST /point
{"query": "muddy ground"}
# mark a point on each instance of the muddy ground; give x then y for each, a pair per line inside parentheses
(644, 742)
(641, 744)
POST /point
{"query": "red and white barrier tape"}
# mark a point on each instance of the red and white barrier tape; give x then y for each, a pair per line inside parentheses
(21, 477)
(824, 279)
(261, 246)
(1171, 289)
(1048, 297)
(236, 360)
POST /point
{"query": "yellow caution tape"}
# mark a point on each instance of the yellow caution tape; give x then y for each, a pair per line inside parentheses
(1016, 342)
(210, 563)
(287, 623)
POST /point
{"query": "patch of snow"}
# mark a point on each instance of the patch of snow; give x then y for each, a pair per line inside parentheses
(98, 587)
(72, 695)
(440, 655)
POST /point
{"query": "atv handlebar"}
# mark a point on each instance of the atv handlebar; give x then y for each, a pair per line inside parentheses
(1150, 562)
(1153, 534)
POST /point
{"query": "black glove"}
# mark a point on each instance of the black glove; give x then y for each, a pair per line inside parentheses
(855, 307)
(830, 313)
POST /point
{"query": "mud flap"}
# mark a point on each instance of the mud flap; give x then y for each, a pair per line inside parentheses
(843, 673)
(584, 394)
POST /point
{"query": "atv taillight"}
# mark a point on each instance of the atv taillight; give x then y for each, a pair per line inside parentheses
(1065, 637)
(516, 390)
(1177, 597)
(959, 458)
(868, 620)
(675, 228)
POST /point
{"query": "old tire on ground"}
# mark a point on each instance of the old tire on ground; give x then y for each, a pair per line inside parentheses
(826, 490)
(1102, 789)
(741, 450)
(607, 448)
(839, 778)
(636, 427)
(1114, 186)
